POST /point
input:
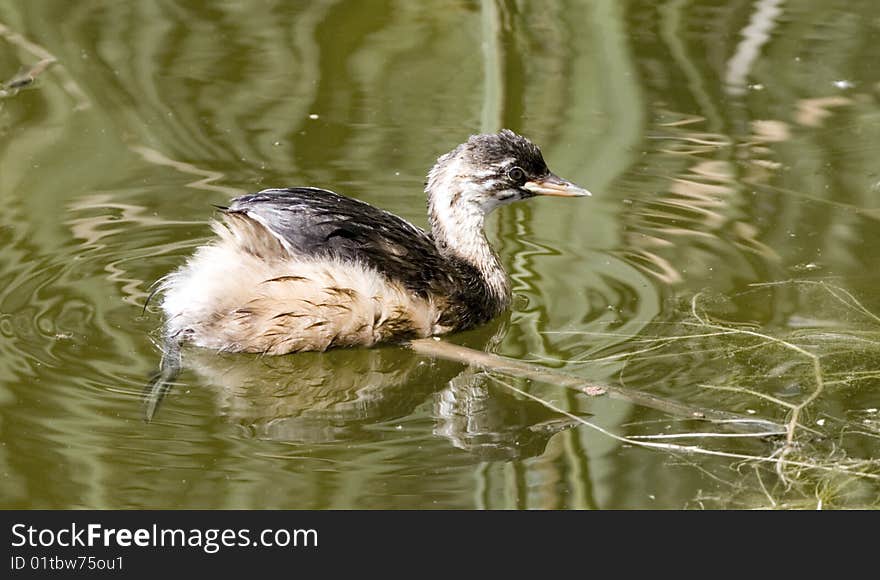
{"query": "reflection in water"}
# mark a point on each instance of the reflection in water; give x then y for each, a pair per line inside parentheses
(754, 37)
(314, 397)
(338, 395)
(698, 226)
(207, 177)
(812, 112)
(492, 424)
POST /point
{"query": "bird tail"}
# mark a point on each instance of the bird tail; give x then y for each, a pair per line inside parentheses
(162, 381)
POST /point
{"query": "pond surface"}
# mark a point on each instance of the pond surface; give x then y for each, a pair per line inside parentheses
(727, 261)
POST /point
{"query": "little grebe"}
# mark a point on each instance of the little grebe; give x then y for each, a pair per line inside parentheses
(307, 269)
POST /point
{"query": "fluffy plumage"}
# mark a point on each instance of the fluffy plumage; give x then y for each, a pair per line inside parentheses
(308, 269)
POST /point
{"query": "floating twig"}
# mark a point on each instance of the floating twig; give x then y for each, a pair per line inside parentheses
(779, 462)
(67, 83)
(449, 351)
(24, 77)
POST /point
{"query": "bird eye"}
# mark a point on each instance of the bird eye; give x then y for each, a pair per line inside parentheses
(516, 174)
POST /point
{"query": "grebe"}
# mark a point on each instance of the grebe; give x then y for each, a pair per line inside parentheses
(307, 269)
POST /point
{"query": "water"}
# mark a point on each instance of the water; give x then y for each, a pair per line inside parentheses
(731, 147)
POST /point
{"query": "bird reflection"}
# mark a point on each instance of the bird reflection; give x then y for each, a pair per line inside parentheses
(317, 397)
(337, 396)
(491, 424)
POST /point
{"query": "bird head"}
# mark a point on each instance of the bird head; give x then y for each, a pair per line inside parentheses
(491, 170)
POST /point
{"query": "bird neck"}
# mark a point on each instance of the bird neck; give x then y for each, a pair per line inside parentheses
(458, 231)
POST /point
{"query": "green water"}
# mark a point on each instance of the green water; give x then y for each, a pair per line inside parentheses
(729, 145)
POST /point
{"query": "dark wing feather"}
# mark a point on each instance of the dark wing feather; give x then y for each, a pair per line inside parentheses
(319, 223)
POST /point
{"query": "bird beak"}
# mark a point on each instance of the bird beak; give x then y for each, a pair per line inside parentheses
(554, 185)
